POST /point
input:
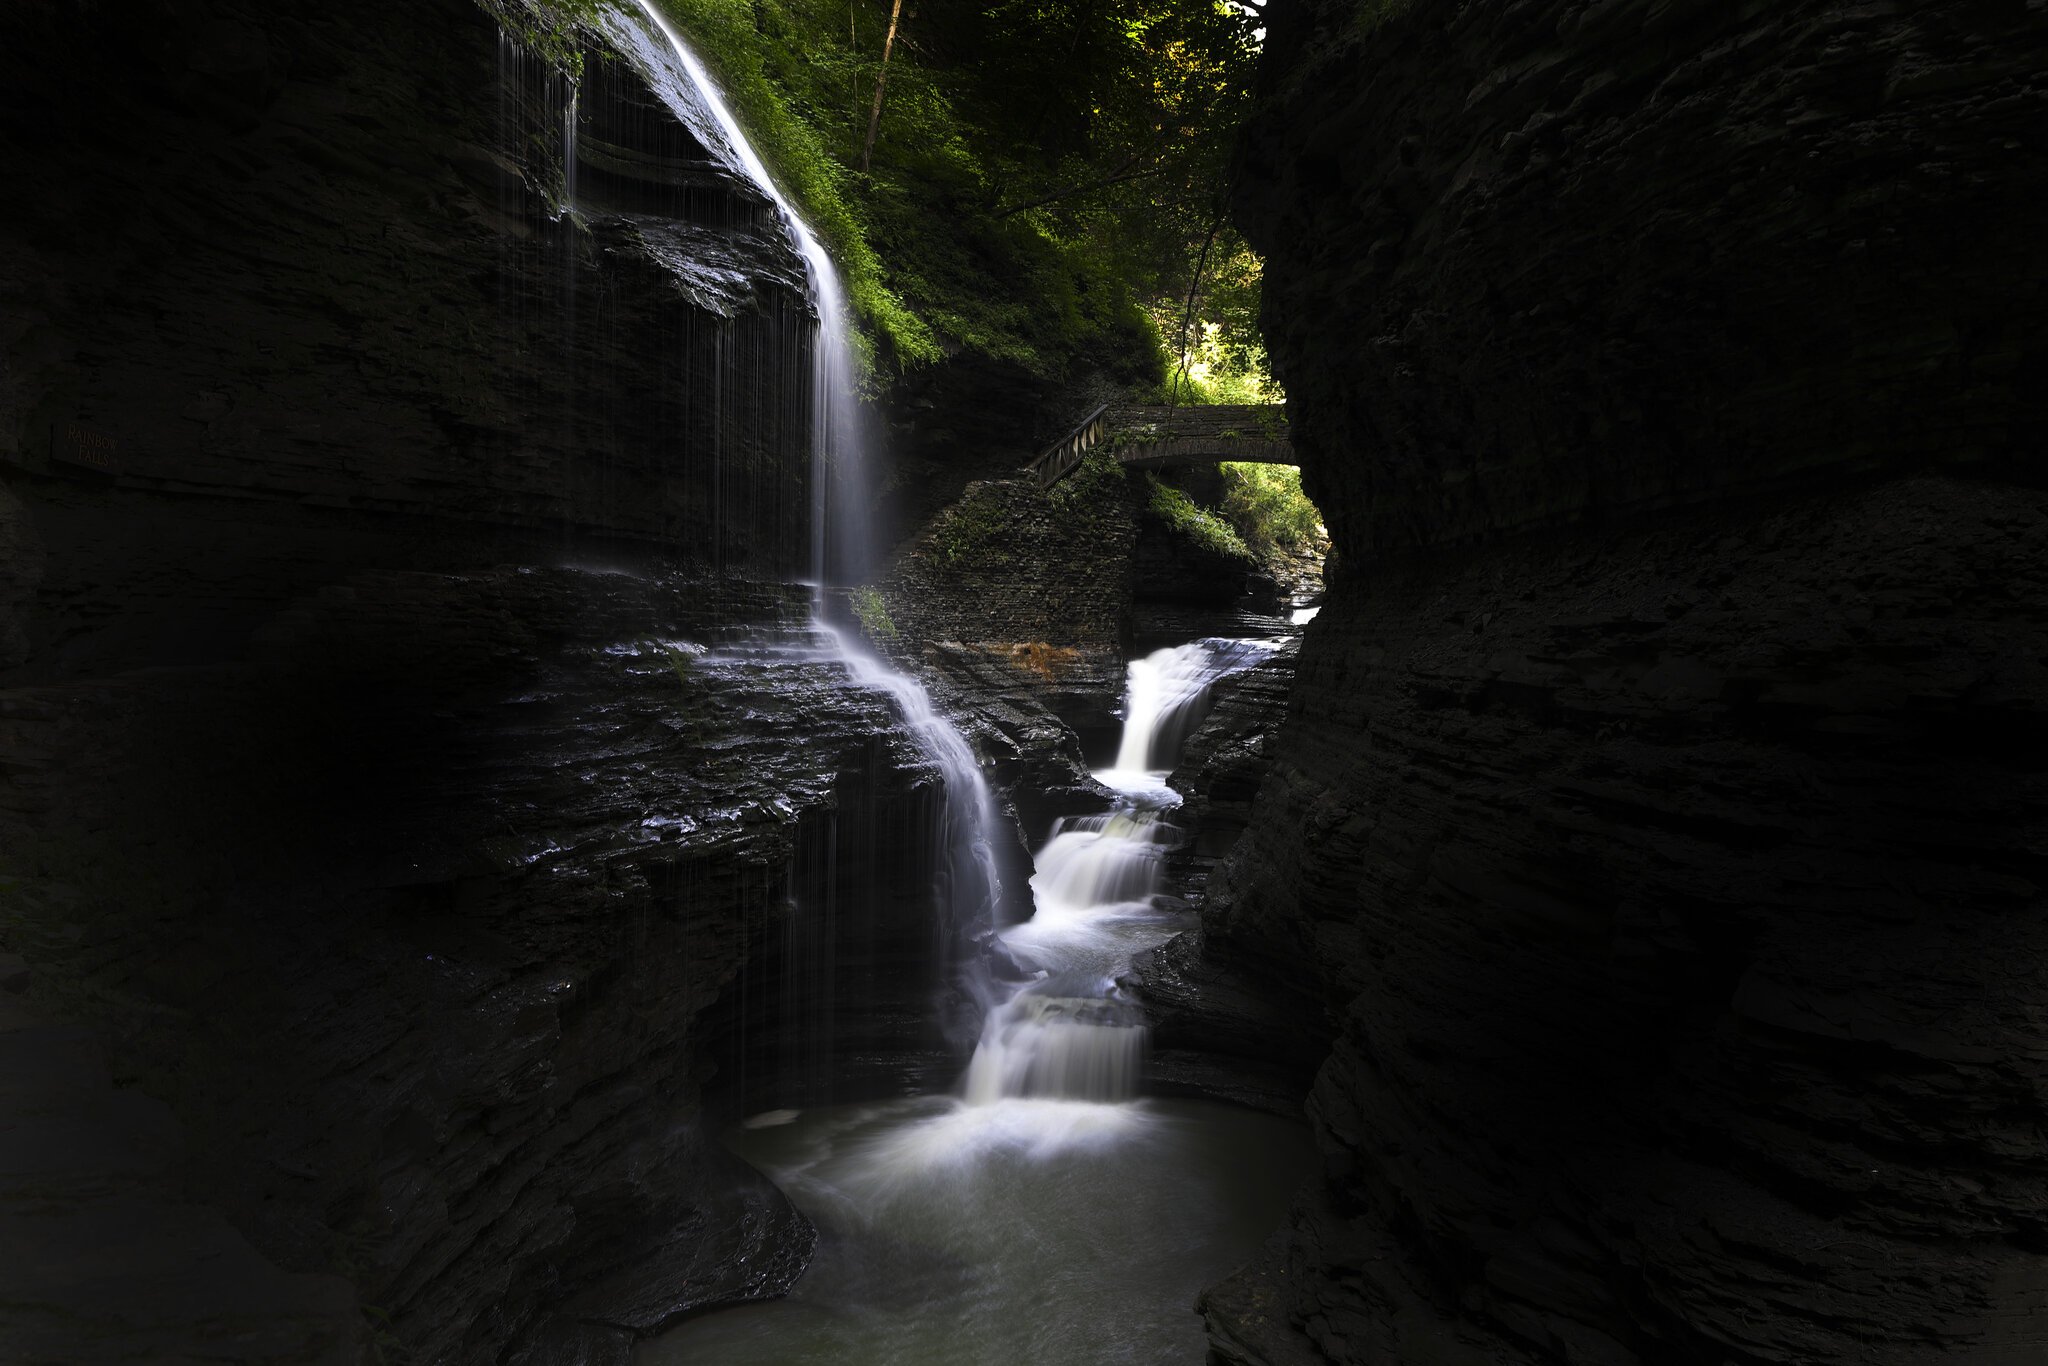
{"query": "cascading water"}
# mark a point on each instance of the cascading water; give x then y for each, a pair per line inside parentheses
(1166, 698)
(569, 153)
(1072, 1033)
(838, 448)
(967, 886)
(1045, 1214)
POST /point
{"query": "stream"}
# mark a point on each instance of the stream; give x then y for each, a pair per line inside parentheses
(1045, 1211)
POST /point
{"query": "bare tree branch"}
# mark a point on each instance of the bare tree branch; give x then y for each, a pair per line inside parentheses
(1187, 315)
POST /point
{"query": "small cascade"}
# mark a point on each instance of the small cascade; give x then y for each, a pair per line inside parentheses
(966, 884)
(1070, 1033)
(1093, 861)
(1166, 698)
(1067, 1037)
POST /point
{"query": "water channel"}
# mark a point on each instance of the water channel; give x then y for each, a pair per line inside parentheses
(1043, 1210)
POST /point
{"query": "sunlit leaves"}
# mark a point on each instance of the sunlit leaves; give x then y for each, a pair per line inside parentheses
(1041, 167)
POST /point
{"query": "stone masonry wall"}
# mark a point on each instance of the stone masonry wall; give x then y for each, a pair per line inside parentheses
(1012, 562)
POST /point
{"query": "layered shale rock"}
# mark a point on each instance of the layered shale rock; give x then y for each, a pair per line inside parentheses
(1534, 259)
(1665, 882)
(410, 763)
(323, 301)
(448, 1020)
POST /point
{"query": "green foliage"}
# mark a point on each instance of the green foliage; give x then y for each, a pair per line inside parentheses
(1095, 483)
(1225, 357)
(757, 53)
(1187, 518)
(546, 28)
(1045, 173)
(1043, 168)
(873, 614)
(1267, 507)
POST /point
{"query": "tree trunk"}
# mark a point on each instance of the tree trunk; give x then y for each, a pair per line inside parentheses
(867, 150)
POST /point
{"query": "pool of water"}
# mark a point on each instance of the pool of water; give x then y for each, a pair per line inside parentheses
(1045, 1214)
(1025, 1230)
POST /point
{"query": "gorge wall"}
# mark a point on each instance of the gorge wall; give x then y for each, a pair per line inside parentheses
(390, 772)
(1655, 832)
(363, 227)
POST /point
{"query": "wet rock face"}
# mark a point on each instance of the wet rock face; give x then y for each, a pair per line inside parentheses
(286, 296)
(1223, 762)
(1661, 881)
(458, 924)
(349, 479)
(1534, 259)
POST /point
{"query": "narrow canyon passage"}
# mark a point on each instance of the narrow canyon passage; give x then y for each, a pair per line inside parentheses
(748, 682)
(1047, 1211)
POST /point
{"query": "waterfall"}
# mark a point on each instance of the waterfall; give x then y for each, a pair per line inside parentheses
(1167, 696)
(838, 464)
(569, 153)
(965, 888)
(1070, 1033)
(946, 1221)
(966, 885)
(1044, 1042)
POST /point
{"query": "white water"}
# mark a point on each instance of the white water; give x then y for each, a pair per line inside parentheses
(1030, 1233)
(1045, 1214)
(966, 890)
(569, 152)
(1165, 699)
(1071, 1032)
(837, 436)
(967, 886)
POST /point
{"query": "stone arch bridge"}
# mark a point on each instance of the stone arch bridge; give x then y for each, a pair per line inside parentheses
(1156, 436)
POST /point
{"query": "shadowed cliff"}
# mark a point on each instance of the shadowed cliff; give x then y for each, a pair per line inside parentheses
(357, 484)
(1654, 834)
